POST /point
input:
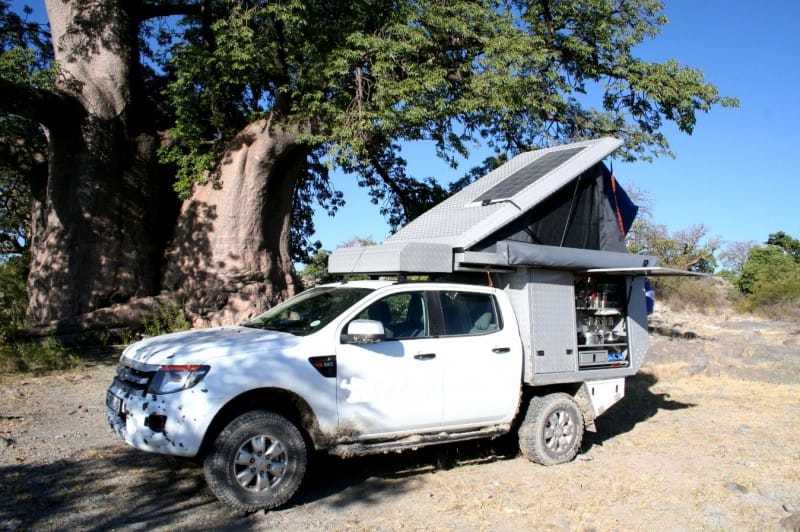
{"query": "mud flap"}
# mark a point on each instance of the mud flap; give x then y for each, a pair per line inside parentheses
(595, 397)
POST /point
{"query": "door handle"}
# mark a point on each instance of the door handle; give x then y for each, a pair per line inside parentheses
(501, 350)
(425, 356)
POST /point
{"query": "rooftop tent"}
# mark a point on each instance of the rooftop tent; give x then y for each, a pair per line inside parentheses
(530, 211)
(589, 212)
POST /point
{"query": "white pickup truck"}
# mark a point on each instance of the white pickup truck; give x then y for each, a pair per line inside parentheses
(537, 317)
(352, 368)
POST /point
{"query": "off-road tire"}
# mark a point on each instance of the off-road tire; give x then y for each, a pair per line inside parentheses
(552, 430)
(268, 454)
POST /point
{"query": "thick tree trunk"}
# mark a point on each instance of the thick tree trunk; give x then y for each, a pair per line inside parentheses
(231, 258)
(94, 223)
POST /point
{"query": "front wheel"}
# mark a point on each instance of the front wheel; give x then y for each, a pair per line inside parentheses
(257, 462)
(552, 430)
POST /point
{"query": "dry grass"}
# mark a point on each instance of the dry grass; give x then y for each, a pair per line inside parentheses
(709, 453)
(684, 450)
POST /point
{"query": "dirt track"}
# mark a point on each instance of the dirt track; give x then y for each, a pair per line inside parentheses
(707, 437)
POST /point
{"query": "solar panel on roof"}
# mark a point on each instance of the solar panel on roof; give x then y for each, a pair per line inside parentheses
(516, 182)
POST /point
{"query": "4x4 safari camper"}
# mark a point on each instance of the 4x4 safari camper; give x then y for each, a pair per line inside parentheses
(532, 319)
(548, 228)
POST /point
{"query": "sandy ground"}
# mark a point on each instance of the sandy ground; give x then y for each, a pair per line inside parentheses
(707, 438)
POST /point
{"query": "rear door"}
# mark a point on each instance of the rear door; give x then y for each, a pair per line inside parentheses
(482, 359)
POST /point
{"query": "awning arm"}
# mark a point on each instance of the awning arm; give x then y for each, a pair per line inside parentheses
(655, 271)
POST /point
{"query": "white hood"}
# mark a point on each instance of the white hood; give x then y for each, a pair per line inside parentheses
(203, 345)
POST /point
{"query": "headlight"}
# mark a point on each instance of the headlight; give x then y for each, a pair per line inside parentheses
(170, 379)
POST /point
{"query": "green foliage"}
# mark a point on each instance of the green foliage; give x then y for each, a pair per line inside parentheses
(770, 278)
(34, 357)
(789, 244)
(767, 265)
(25, 60)
(18, 353)
(13, 295)
(778, 299)
(315, 271)
(355, 79)
(167, 318)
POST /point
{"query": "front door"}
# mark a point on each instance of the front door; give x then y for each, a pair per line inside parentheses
(395, 385)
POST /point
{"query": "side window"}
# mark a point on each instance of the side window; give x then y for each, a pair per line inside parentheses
(403, 315)
(468, 313)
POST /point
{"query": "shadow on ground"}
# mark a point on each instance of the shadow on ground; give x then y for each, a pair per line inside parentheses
(117, 487)
(639, 404)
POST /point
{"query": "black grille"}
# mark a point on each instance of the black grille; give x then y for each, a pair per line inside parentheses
(134, 379)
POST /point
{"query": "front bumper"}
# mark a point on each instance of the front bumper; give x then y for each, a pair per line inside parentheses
(173, 424)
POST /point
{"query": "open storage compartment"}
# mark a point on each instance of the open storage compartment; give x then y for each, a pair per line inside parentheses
(601, 315)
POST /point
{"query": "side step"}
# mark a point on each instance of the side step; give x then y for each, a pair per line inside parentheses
(416, 441)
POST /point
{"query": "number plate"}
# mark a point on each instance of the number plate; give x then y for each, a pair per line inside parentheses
(113, 402)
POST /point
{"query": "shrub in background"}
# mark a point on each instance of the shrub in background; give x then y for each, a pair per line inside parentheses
(777, 299)
(169, 317)
(18, 353)
(770, 279)
(703, 294)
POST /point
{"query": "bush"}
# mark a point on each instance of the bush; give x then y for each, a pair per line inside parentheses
(30, 356)
(13, 294)
(703, 294)
(777, 299)
(169, 317)
(770, 280)
(18, 353)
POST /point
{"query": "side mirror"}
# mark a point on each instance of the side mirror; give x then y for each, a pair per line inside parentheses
(364, 332)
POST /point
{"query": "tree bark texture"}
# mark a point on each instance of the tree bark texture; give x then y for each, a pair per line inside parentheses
(230, 258)
(94, 238)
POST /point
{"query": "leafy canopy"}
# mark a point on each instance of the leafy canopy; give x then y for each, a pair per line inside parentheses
(772, 267)
(359, 77)
(25, 59)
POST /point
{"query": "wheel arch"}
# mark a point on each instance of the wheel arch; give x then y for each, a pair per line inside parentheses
(570, 388)
(284, 402)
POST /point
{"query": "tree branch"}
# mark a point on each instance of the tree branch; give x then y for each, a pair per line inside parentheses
(43, 106)
(168, 8)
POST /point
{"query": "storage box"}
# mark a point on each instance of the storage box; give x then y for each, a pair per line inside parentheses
(593, 358)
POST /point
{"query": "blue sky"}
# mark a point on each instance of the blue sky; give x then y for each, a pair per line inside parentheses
(734, 174)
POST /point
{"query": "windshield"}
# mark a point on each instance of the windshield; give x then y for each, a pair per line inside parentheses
(309, 311)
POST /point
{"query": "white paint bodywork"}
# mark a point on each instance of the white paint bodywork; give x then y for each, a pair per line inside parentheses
(396, 388)
(382, 390)
(605, 393)
(241, 359)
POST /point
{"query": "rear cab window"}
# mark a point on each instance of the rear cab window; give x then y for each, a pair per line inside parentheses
(468, 313)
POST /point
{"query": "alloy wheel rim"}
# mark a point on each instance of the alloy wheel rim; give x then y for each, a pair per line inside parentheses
(559, 433)
(260, 463)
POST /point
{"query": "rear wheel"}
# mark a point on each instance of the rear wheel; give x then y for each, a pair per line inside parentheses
(257, 462)
(552, 430)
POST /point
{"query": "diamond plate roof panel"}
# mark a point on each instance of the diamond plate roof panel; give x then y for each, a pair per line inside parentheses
(429, 243)
(483, 207)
